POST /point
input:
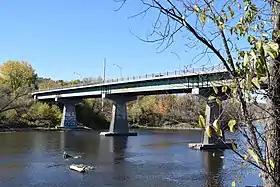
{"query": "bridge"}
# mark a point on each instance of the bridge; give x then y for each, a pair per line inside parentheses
(120, 91)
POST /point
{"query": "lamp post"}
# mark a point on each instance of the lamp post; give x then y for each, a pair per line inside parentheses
(79, 76)
(104, 77)
(178, 59)
(119, 68)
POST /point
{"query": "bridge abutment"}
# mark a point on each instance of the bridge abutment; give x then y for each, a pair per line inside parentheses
(69, 112)
(119, 122)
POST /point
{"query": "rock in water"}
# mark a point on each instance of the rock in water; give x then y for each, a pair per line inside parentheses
(66, 155)
(81, 167)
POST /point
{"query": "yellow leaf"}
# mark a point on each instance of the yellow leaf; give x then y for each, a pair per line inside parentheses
(196, 9)
(274, 46)
(219, 102)
(220, 132)
(246, 59)
(271, 163)
(233, 184)
(255, 81)
(201, 121)
(208, 131)
(224, 89)
(231, 125)
(253, 155)
(216, 125)
(246, 158)
(203, 17)
(215, 89)
(233, 146)
(211, 98)
(259, 45)
(263, 79)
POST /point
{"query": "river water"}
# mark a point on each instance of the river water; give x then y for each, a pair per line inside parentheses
(153, 158)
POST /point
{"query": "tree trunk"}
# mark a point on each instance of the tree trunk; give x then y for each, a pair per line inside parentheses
(273, 134)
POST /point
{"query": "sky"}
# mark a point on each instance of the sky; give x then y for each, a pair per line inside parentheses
(60, 37)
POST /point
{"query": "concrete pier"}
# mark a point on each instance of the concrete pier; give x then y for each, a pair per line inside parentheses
(119, 123)
(212, 112)
(69, 112)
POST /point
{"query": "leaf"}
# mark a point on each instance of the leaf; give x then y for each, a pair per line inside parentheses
(239, 181)
(221, 26)
(215, 89)
(246, 158)
(196, 9)
(231, 125)
(220, 132)
(259, 46)
(255, 81)
(224, 89)
(231, 12)
(208, 131)
(219, 102)
(211, 98)
(269, 51)
(233, 146)
(201, 121)
(216, 125)
(203, 17)
(233, 184)
(271, 163)
(263, 79)
(246, 59)
(253, 155)
(274, 46)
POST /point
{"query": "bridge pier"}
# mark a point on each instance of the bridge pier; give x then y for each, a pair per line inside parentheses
(212, 112)
(69, 112)
(119, 123)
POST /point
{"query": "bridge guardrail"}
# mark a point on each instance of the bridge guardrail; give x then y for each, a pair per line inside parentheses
(147, 76)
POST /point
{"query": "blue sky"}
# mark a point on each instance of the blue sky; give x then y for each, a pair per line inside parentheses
(60, 37)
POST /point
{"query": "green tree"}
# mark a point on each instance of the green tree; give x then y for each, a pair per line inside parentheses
(42, 114)
(244, 36)
(17, 74)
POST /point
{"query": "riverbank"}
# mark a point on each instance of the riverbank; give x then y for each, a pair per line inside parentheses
(26, 129)
(181, 126)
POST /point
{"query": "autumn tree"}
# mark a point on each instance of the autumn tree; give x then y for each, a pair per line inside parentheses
(17, 74)
(243, 35)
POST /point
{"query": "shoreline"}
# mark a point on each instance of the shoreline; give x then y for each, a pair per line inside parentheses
(42, 129)
(82, 128)
(181, 127)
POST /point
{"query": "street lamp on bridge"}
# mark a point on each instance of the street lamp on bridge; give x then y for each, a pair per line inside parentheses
(119, 68)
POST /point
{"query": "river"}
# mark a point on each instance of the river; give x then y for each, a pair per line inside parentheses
(153, 158)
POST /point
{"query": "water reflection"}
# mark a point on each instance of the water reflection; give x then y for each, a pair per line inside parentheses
(213, 165)
(115, 146)
(150, 159)
(79, 142)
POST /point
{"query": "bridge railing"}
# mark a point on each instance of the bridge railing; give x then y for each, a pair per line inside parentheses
(185, 71)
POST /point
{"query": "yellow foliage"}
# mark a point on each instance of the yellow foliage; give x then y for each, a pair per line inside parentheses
(17, 74)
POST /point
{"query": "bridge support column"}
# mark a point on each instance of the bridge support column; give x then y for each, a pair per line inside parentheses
(119, 123)
(69, 113)
(212, 112)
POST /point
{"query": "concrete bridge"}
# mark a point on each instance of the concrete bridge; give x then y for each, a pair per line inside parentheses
(120, 91)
